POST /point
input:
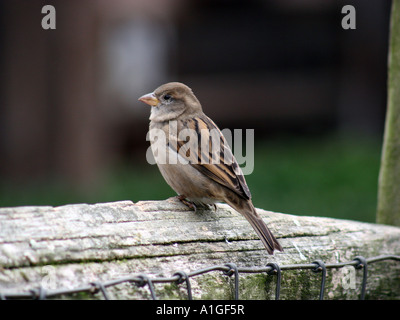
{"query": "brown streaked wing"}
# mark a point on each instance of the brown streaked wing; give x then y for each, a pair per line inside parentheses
(227, 174)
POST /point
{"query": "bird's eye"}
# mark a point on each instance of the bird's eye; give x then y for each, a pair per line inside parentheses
(167, 97)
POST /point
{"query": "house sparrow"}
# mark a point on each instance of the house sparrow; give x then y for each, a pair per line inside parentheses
(197, 161)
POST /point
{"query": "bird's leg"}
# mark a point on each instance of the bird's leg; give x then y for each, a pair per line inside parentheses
(190, 204)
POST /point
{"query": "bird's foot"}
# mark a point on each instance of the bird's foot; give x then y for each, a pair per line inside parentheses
(186, 202)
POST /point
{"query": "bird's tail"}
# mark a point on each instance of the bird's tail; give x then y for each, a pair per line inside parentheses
(249, 212)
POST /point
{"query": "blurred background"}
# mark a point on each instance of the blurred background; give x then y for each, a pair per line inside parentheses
(72, 130)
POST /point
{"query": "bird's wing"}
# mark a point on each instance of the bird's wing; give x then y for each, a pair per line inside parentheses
(209, 153)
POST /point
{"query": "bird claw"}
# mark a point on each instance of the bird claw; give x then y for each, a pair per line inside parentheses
(192, 206)
(186, 202)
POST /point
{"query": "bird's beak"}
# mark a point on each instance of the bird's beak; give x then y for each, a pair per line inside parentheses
(149, 99)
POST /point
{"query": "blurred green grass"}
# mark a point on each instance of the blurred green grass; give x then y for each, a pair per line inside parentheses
(326, 176)
(334, 177)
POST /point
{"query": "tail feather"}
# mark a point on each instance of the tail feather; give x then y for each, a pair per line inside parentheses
(259, 226)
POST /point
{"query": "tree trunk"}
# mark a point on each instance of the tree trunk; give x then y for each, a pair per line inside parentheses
(389, 178)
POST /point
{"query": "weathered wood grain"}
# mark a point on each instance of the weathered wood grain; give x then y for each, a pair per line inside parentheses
(72, 245)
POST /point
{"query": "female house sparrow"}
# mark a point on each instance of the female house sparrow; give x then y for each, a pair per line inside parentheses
(201, 169)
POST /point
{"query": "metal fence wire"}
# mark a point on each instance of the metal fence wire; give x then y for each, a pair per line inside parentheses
(228, 269)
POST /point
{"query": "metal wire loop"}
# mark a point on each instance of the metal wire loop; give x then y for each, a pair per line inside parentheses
(275, 270)
(183, 277)
(320, 267)
(98, 286)
(233, 269)
(362, 264)
(38, 294)
(146, 280)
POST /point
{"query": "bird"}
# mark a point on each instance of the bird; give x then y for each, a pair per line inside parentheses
(194, 158)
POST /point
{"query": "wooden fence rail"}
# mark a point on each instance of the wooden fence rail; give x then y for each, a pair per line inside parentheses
(73, 245)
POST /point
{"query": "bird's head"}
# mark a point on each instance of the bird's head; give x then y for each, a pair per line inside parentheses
(172, 101)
